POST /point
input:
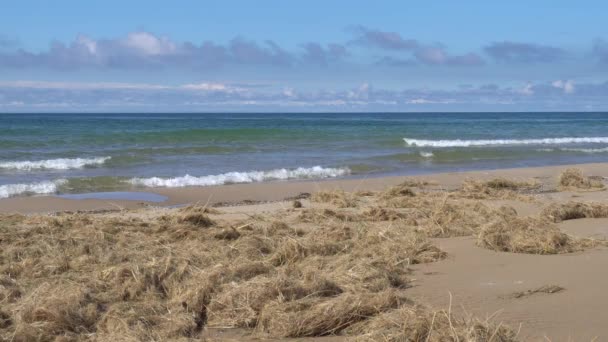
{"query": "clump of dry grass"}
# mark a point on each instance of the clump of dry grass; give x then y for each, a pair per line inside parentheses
(383, 214)
(365, 193)
(500, 188)
(56, 309)
(528, 235)
(240, 304)
(311, 317)
(400, 190)
(447, 216)
(339, 198)
(197, 215)
(417, 323)
(558, 212)
(574, 179)
(316, 215)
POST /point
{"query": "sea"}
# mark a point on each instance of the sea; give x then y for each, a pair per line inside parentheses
(79, 153)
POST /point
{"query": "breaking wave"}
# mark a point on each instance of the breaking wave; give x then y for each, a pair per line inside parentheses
(490, 142)
(315, 172)
(44, 187)
(54, 164)
(587, 150)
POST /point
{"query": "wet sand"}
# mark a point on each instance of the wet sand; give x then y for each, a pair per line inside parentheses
(277, 191)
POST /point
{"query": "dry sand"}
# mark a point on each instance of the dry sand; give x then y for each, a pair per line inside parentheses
(556, 297)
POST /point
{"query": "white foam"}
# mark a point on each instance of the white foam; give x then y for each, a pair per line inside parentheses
(54, 164)
(44, 187)
(489, 142)
(586, 150)
(426, 154)
(241, 177)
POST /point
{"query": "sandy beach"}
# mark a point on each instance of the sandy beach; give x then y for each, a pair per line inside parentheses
(525, 253)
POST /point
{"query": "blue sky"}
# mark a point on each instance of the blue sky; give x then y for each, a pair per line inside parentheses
(303, 55)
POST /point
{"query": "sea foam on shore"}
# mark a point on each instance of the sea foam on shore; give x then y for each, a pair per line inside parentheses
(44, 187)
(54, 164)
(490, 142)
(316, 172)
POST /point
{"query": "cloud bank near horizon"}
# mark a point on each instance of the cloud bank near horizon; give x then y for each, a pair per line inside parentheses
(66, 96)
(383, 56)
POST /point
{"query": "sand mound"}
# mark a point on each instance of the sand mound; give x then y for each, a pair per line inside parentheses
(574, 179)
(558, 212)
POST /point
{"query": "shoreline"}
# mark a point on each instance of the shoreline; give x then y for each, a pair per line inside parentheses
(251, 193)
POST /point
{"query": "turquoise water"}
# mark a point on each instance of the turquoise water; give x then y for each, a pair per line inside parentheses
(76, 153)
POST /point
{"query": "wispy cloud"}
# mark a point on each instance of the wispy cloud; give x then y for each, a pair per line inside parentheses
(6, 42)
(600, 50)
(383, 39)
(316, 53)
(23, 95)
(514, 52)
(410, 50)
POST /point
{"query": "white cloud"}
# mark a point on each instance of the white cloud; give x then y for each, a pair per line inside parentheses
(88, 43)
(567, 86)
(528, 89)
(211, 87)
(80, 85)
(289, 92)
(150, 44)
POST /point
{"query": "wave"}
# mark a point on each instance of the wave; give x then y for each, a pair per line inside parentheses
(44, 187)
(425, 154)
(490, 142)
(586, 150)
(54, 164)
(315, 172)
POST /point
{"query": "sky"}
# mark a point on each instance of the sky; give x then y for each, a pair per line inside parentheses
(191, 56)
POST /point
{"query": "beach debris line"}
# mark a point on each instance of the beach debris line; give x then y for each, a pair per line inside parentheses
(547, 289)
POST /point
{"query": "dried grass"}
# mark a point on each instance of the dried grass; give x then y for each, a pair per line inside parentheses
(197, 215)
(574, 179)
(339, 198)
(498, 188)
(417, 323)
(156, 275)
(400, 190)
(558, 212)
(312, 317)
(383, 214)
(549, 289)
(529, 235)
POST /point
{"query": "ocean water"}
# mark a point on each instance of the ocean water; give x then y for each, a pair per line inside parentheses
(81, 153)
